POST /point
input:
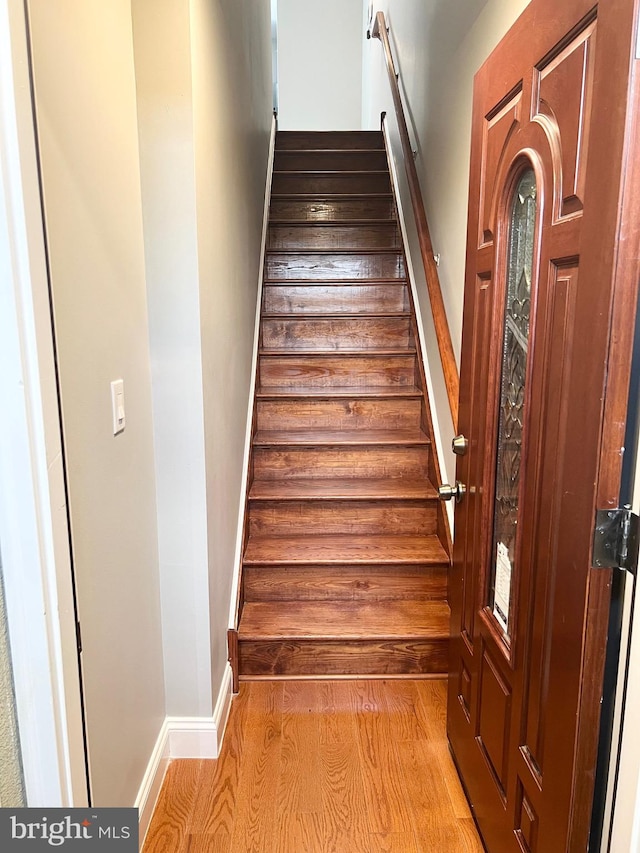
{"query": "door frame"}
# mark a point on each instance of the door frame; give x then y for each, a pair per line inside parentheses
(622, 814)
(622, 829)
(621, 825)
(622, 809)
(33, 518)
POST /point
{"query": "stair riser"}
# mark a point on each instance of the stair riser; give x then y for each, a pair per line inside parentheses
(300, 657)
(345, 140)
(345, 583)
(328, 371)
(367, 462)
(323, 210)
(333, 267)
(331, 182)
(350, 161)
(336, 334)
(359, 518)
(335, 299)
(338, 414)
(334, 237)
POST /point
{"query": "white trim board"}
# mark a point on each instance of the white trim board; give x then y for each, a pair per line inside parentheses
(183, 737)
(33, 522)
(252, 387)
(437, 430)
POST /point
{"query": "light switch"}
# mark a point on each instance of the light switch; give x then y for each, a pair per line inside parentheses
(117, 405)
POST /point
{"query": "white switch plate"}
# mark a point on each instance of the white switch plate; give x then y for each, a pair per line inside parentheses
(117, 405)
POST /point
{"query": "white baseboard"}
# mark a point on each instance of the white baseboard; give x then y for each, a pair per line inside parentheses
(201, 737)
(183, 737)
(152, 780)
(223, 705)
(235, 584)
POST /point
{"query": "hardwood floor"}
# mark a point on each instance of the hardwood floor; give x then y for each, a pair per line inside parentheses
(322, 767)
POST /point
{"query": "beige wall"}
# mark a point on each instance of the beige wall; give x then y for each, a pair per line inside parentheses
(438, 46)
(319, 64)
(86, 109)
(186, 196)
(232, 97)
(203, 71)
(162, 42)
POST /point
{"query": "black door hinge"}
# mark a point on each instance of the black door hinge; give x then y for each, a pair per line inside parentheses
(78, 638)
(615, 540)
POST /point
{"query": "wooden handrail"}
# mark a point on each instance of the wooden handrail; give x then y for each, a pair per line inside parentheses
(443, 335)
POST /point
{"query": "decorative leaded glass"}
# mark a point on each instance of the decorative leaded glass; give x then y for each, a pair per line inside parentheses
(515, 345)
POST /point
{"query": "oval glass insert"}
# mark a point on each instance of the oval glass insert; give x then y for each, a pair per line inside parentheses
(515, 345)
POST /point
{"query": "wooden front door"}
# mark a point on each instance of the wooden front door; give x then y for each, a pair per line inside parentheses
(551, 269)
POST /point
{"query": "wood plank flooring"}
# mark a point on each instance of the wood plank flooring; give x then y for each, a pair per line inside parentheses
(322, 767)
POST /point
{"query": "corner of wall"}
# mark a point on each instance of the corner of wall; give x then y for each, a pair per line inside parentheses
(254, 367)
(183, 738)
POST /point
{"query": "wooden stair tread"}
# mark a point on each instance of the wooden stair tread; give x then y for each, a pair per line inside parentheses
(335, 250)
(333, 223)
(390, 550)
(337, 391)
(335, 315)
(328, 196)
(342, 140)
(343, 583)
(340, 172)
(332, 437)
(346, 353)
(340, 488)
(329, 150)
(350, 620)
(329, 282)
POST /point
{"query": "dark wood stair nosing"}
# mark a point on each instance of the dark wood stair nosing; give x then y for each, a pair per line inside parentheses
(299, 151)
(382, 637)
(341, 250)
(342, 438)
(359, 621)
(346, 353)
(338, 392)
(343, 561)
(319, 282)
(253, 562)
(328, 196)
(336, 315)
(299, 173)
(366, 489)
(342, 498)
(383, 222)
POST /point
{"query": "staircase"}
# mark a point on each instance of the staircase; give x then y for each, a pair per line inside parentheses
(344, 569)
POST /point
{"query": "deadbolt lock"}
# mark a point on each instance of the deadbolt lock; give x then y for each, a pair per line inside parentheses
(447, 492)
(460, 445)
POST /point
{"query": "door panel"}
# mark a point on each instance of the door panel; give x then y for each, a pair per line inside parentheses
(498, 127)
(526, 623)
(563, 89)
(550, 452)
(494, 718)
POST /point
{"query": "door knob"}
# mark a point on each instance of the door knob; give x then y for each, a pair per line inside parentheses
(460, 445)
(446, 492)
